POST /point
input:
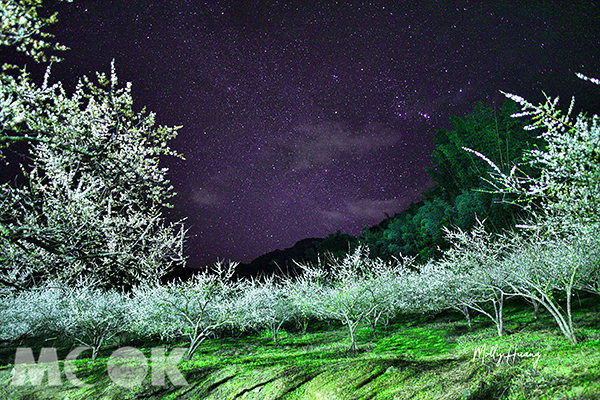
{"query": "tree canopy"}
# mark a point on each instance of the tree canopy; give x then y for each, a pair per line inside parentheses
(90, 198)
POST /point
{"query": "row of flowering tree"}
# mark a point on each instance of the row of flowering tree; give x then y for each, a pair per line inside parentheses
(478, 275)
(482, 270)
(351, 292)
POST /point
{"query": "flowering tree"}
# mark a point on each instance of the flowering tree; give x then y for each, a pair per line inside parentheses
(547, 269)
(33, 312)
(582, 251)
(568, 185)
(93, 316)
(195, 309)
(563, 199)
(387, 289)
(590, 281)
(438, 288)
(300, 291)
(476, 273)
(90, 201)
(343, 293)
(264, 304)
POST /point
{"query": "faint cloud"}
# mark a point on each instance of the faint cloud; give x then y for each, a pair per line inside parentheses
(332, 219)
(372, 209)
(205, 197)
(363, 209)
(332, 215)
(320, 144)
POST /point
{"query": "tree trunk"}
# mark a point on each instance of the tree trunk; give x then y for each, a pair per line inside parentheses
(374, 327)
(563, 324)
(194, 344)
(304, 325)
(352, 342)
(536, 308)
(498, 306)
(569, 313)
(465, 311)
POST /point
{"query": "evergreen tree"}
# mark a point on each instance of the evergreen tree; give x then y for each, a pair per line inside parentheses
(461, 195)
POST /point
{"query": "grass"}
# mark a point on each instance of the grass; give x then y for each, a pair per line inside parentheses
(417, 342)
(418, 357)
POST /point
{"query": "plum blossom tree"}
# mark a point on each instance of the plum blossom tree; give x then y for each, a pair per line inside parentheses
(264, 304)
(33, 312)
(342, 294)
(387, 289)
(93, 316)
(437, 288)
(563, 200)
(194, 309)
(547, 269)
(476, 273)
(90, 201)
(300, 291)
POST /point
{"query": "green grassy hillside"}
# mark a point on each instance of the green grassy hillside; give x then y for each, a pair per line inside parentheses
(418, 357)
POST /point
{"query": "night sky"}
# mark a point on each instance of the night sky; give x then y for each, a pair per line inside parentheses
(301, 119)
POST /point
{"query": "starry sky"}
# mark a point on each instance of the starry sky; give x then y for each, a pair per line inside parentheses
(303, 118)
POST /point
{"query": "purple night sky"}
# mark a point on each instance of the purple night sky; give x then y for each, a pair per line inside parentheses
(301, 119)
